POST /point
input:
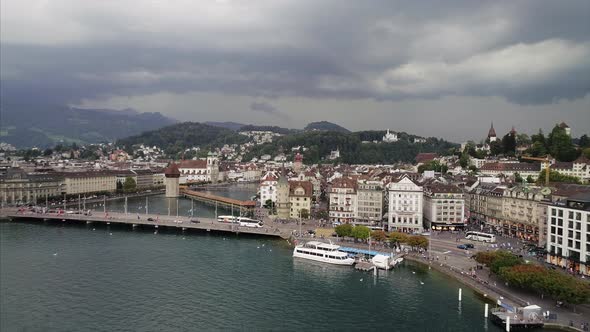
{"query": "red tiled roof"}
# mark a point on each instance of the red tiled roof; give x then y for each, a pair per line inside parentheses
(306, 185)
(424, 157)
(172, 170)
(193, 164)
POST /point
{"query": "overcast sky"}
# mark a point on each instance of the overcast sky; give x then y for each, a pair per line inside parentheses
(434, 68)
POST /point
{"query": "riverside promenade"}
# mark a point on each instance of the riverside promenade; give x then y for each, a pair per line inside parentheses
(149, 221)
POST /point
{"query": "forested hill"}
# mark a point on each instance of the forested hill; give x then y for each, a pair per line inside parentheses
(175, 138)
(29, 125)
(325, 126)
(355, 148)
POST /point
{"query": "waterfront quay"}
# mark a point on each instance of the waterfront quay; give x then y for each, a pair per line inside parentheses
(152, 221)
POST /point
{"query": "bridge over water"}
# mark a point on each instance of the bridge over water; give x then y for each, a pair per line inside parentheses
(216, 200)
(153, 221)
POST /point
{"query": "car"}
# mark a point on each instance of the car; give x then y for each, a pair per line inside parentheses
(150, 219)
(462, 246)
(469, 245)
(195, 221)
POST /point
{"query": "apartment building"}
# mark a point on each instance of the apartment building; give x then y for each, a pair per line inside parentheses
(343, 200)
(444, 207)
(369, 202)
(300, 194)
(405, 206)
(568, 237)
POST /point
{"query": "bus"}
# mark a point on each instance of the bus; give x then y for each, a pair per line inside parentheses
(247, 222)
(227, 219)
(478, 236)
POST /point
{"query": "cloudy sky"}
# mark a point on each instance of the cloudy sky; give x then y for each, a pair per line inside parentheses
(435, 68)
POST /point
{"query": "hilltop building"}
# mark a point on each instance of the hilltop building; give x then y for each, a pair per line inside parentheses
(390, 137)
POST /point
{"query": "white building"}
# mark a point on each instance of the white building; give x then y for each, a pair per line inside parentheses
(568, 234)
(268, 187)
(343, 200)
(390, 137)
(405, 206)
(202, 170)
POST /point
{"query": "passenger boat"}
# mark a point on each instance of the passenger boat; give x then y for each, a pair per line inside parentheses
(322, 252)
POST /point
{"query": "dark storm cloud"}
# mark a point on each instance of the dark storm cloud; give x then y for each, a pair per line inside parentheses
(267, 108)
(529, 52)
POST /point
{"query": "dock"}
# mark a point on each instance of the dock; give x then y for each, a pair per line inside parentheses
(153, 222)
(529, 317)
(364, 266)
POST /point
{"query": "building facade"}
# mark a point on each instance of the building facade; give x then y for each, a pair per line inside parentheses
(568, 237)
(20, 187)
(343, 200)
(369, 202)
(444, 207)
(405, 206)
(89, 182)
(300, 193)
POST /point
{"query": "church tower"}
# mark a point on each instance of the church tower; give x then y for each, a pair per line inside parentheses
(492, 134)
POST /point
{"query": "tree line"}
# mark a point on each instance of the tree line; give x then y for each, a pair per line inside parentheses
(513, 270)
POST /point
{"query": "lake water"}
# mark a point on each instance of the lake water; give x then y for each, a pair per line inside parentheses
(78, 277)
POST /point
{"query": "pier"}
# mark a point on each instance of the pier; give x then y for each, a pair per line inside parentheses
(154, 222)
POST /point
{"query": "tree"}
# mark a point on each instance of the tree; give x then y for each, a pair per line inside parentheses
(523, 139)
(555, 176)
(496, 148)
(560, 145)
(343, 230)
(304, 213)
(584, 141)
(271, 206)
(586, 153)
(119, 186)
(464, 160)
(47, 152)
(518, 178)
(322, 214)
(418, 241)
(379, 235)
(509, 144)
(539, 138)
(537, 149)
(398, 237)
(530, 179)
(361, 232)
(129, 185)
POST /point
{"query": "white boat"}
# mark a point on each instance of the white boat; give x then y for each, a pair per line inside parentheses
(322, 252)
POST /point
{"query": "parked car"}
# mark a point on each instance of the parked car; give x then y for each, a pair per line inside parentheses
(195, 221)
(150, 219)
(469, 246)
(462, 246)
